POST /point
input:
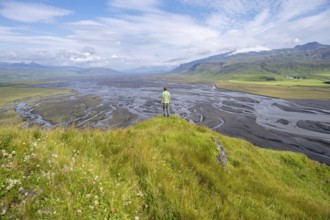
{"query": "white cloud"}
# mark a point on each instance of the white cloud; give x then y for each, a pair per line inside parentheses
(229, 8)
(291, 9)
(257, 48)
(31, 12)
(137, 5)
(84, 57)
(150, 38)
(296, 40)
(140, 33)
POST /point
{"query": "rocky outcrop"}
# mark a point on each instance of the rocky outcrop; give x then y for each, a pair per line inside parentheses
(221, 157)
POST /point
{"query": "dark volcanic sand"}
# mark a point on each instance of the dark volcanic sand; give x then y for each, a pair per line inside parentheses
(296, 125)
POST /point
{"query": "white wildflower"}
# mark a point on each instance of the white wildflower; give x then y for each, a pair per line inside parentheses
(96, 203)
(12, 183)
(88, 196)
(35, 144)
(79, 211)
(136, 218)
(3, 211)
(26, 158)
(140, 194)
(13, 153)
(33, 155)
(9, 165)
(4, 153)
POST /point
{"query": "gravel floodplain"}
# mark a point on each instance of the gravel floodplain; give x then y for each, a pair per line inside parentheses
(295, 125)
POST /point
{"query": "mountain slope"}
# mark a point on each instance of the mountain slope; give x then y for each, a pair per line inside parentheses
(162, 168)
(309, 61)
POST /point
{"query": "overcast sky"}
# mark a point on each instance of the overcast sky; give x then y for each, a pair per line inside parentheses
(124, 34)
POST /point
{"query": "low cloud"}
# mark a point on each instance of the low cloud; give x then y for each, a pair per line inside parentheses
(251, 49)
(85, 57)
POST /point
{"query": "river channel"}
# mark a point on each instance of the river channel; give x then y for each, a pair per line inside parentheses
(300, 126)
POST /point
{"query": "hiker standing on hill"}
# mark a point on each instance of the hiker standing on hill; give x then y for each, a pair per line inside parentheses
(166, 101)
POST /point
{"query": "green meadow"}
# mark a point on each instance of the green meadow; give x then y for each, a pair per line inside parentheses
(256, 84)
(12, 93)
(161, 168)
(309, 89)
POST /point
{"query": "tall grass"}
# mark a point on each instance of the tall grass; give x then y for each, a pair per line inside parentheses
(162, 168)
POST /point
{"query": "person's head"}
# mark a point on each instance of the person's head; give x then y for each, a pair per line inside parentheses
(165, 88)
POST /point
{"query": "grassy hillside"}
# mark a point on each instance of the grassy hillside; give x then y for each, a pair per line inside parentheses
(162, 168)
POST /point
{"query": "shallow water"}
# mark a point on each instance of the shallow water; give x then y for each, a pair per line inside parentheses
(267, 122)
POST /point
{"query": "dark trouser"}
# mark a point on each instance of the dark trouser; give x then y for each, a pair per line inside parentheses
(166, 109)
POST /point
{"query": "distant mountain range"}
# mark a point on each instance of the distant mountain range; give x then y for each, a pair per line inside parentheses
(311, 60)
(35, 71)
(149, 70)
(308, 60)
